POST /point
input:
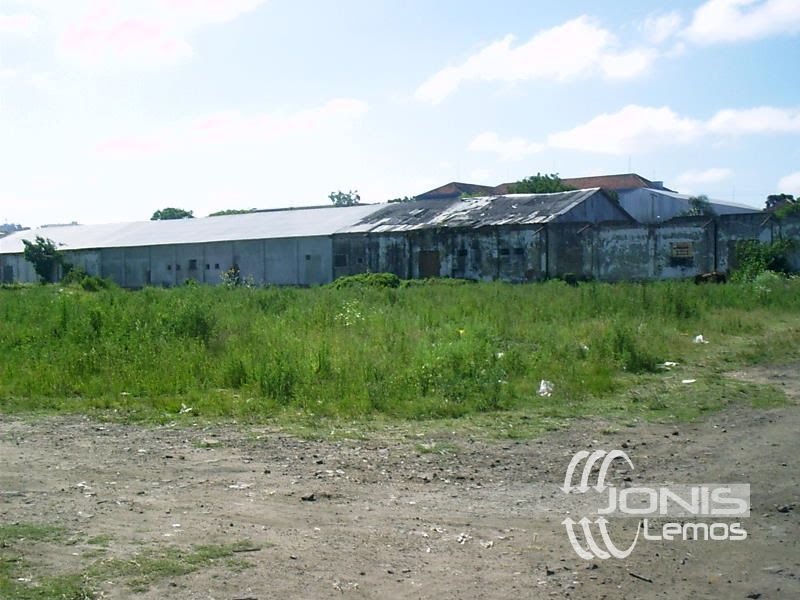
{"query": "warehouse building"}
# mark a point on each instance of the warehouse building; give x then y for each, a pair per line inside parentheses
(517, 237)
(282, 247)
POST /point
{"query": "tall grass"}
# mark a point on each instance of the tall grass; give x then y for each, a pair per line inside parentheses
(419, 351)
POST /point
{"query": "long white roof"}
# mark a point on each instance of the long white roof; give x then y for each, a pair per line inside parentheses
(289, 223)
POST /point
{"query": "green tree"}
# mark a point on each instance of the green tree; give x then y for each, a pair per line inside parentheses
(775, 201)
(700, 206)
(402, 199)
(167, 214)
(783, 205)
(45, 258)
(340, 198)
(539, 184)
(233, 211)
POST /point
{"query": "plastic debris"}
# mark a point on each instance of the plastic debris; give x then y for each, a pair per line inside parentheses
(699, 339)
(185, 409)
(546, 388)
(689, 381)
(463, 538)
(240, 486)
(668, 365)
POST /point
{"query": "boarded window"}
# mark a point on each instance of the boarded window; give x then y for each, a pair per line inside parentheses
(340, 260)
(681, 254)
(519, 250)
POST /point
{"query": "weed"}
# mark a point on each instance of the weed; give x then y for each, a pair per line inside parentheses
(361, 351)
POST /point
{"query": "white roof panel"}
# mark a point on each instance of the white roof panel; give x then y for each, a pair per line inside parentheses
(288, 223)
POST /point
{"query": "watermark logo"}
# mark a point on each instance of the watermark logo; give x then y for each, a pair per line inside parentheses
(707, 503)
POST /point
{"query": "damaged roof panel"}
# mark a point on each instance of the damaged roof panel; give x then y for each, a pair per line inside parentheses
(512, 209)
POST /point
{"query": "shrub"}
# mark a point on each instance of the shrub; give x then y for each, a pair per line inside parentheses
(754, 257)
(375, 280)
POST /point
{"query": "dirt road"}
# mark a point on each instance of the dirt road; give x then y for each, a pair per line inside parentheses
(399, 517)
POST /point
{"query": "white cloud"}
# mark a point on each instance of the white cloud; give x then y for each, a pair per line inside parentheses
(139, 34)
(511, 149)
(762, 119)
(231, 127)
(790, 184)
(21, 24)
(576, 49)
(719, 21)
(630, 130)
(706, 176)
(658, 29)
(635, 129)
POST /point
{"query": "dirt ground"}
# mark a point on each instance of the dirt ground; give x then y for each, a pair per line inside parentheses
(404, 517)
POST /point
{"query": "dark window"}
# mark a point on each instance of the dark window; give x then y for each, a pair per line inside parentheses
(519, 250)
(462, 252)
(360, 260)
(681, 254)
(308, 257)
(339, 260)
(177, 267)
(208, 266)
(192, 264)
(504, 252)
(216, 266)
(169, 267)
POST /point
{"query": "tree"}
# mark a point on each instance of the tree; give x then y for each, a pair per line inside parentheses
(539, 184)
(167, 214)
(700, 206)
(340, 198)
(233, 211)
(45, 258)
(402, 199)
(775, 201)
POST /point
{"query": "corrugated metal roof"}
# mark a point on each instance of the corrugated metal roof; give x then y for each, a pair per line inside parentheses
(512, 209)
(716, 203)
(287, 223)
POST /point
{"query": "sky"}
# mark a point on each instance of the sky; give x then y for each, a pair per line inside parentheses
(112, 109)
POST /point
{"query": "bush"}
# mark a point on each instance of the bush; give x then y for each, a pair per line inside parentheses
(754, 257)
(77, 277)
(374, 280)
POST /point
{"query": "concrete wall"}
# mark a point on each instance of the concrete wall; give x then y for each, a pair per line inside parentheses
(680, 248)
(290, 261)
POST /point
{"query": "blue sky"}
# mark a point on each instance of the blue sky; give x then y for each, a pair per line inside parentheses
(110, 110)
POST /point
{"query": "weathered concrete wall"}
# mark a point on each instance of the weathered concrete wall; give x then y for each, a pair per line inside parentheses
(681, 248)
(290, 261)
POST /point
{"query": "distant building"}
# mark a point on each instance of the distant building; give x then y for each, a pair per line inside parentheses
(646, 201)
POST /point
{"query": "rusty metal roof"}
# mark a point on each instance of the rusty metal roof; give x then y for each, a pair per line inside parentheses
(512, 209)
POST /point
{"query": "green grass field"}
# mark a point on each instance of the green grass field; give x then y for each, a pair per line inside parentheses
(427, 351)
